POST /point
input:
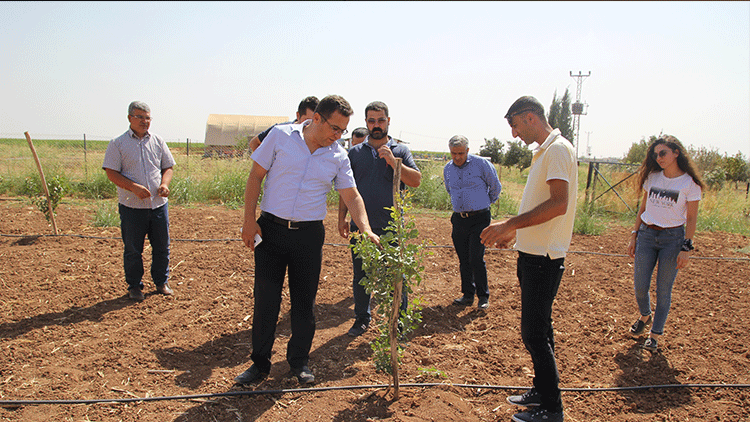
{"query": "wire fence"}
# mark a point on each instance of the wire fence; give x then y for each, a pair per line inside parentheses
(609, 186)
(78, 158)
(612, 186)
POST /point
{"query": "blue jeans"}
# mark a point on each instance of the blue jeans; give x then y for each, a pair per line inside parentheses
(361, 297)
(540, 277)
(470, 251)
(135, 225)
(654, 246)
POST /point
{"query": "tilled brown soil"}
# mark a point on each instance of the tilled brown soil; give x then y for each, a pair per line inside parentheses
(68, 331)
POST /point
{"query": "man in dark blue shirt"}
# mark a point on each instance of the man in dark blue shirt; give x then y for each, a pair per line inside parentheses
(473, 185)
(372, 163)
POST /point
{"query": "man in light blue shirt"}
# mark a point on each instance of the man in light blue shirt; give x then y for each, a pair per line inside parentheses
(473, 185)
(299, 162)
(140, 164)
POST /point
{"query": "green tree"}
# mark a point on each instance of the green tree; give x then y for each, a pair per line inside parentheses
(637, 152)
(560, 115)
(493, 149)
(398, 258)
(518, 155)
(736, 168)
(715, 178)
(706, 159)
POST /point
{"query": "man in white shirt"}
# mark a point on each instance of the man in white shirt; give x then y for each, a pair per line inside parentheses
(543, 229)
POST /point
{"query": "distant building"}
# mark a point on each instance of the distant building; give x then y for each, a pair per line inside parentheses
(225, 132)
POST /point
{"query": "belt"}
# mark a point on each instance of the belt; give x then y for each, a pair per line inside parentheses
(655, 227)
(291, 225)
(467, 214)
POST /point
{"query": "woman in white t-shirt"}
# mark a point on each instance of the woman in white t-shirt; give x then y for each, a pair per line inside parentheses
(664, 229)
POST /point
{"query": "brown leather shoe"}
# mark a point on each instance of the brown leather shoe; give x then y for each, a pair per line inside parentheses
(165, 289)
(135, 294)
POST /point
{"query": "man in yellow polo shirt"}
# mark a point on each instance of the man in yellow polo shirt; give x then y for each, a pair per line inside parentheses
(542, 229)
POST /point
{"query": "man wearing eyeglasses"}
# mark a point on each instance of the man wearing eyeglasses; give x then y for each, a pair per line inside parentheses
(299, 163)
(543, 229)
(305, 111)
(140, 164)
(372, 163)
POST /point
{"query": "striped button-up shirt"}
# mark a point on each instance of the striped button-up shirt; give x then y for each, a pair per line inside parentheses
(141, 161)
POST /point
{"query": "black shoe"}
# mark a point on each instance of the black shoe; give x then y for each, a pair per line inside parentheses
(538, 415)
(359, 328)
(464, 300)
(650, 344)
(639, 326)
(250, 376)
(484, 303)
(135, 294)
(528, 399)
(304, 375)
(400, 328)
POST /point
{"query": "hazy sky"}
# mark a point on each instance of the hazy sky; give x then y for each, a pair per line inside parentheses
(443, 68)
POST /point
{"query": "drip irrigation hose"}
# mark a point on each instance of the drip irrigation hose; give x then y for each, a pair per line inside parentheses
(15, 403)
(709, 258)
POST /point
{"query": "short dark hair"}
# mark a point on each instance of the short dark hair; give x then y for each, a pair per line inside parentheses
(377, 106)
(309, 103)
(360, 132)
(332, 103)
(526, 104)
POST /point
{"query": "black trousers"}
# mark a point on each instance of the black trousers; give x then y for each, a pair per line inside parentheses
(540, 277)
(301, 252)
(470, 251)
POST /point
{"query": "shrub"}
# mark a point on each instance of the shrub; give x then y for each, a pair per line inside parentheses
(56, 186)
(431, 191)
(588, 221)
(106, 216)
(184, 191)
(100, 187)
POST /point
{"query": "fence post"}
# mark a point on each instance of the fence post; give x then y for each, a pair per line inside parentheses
(44, 182)
(187, 140)
(85, 160)
(588, 181)
(593, 181)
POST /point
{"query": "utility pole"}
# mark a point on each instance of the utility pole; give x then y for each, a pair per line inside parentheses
(578, 107)
(588, 145)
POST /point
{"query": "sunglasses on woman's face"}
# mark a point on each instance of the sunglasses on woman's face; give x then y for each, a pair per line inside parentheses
(661, 153)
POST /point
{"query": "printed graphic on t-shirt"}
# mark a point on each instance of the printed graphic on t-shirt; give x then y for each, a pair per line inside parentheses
(663, 197)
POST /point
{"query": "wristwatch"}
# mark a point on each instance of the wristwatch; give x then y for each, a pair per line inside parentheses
(687, 245)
